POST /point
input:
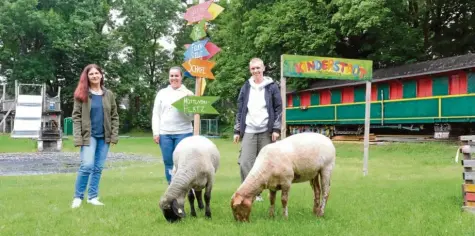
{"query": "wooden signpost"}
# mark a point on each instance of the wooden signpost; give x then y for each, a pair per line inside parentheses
(196, 61)
(328, 68)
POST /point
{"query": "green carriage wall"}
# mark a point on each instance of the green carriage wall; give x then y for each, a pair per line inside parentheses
(296, 100)
(315, 99)
(471, 83)
(409, 89)
(360, 93)
(408, 110)
(335, 96)
(440, 86)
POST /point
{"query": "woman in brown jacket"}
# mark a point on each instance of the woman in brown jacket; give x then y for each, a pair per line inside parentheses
(95, 126)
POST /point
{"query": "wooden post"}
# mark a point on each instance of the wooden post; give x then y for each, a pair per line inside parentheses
(196, 124)
(283, 91)
(366, 127)
(468, 163)
(2, 101)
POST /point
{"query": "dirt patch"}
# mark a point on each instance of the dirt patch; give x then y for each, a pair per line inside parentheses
(13, 164)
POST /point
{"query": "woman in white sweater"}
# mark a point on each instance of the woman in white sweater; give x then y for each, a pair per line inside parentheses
(170, 125)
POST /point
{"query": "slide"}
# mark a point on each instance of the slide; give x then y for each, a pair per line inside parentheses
(28, 116)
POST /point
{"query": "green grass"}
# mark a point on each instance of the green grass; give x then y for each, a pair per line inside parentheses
(411, 189)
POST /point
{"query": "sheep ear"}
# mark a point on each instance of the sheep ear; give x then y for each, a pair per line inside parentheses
(177, 210)
(237, 200)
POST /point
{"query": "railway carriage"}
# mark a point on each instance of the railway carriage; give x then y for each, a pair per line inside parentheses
(432, 97)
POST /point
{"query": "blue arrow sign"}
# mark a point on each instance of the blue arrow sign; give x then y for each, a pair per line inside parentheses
(187, 74)
(197, 50)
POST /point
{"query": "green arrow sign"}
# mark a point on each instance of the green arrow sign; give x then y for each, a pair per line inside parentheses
(195, 104)
(198, 32)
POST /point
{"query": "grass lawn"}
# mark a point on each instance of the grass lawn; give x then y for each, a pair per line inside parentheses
(412, 189)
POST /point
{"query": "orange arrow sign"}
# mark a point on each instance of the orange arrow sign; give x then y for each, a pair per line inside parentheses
(199, 68)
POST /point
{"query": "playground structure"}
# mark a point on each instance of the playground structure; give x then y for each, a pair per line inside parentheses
(7, 111)
(33, 114)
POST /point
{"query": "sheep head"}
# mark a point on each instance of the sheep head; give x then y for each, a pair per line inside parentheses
(241, 207)
(172, 210)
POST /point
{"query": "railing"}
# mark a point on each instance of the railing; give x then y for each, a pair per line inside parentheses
(437, 114)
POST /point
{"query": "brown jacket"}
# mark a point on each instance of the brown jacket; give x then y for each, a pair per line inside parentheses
(82, 119)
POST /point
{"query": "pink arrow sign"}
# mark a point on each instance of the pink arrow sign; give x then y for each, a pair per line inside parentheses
(198, 12)
(212, 49)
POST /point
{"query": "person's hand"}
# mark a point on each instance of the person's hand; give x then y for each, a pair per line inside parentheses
(156, 139)
(275, 136)
(236, 138)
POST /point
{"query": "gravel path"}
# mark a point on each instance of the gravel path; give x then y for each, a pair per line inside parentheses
(12, 164)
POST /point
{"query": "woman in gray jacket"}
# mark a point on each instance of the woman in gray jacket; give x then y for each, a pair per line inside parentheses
(95, 126)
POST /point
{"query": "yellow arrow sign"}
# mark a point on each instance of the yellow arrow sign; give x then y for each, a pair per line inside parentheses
(199, 68)
(214, 10)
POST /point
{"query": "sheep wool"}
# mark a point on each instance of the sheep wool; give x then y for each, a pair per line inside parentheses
(196, 160)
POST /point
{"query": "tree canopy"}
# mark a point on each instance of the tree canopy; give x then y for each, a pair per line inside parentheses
(51, 41)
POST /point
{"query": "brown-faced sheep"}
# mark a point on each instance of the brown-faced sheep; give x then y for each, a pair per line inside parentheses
(295, 159)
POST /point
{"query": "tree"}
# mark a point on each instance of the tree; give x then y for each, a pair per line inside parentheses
(51, 41)
(143, 67)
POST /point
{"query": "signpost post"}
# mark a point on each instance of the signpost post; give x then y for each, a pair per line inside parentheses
(196, 61)
(329, 68)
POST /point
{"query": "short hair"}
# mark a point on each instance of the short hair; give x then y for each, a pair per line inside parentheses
(256, 59)
(177, 68)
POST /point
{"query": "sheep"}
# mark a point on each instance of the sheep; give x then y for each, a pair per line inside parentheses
(196, 160)
(295, 159)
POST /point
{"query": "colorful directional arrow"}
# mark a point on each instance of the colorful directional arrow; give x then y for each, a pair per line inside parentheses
(210, 47)
(198, 32)
(197, 50)
(187, 74)
(196, 104)
(212, 50)
(199, 68)
(198, 12)
(214, 10)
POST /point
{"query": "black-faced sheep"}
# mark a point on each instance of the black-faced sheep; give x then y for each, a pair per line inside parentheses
(295, 159)
(196, 160)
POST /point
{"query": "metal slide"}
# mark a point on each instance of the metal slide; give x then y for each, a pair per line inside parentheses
(27, 123)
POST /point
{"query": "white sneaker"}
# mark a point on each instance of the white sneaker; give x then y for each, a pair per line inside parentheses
(95, 201)
(76, 203)
(259, 199)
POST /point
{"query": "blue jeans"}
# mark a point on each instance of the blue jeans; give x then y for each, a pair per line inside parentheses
(168, 143)
(93, 158)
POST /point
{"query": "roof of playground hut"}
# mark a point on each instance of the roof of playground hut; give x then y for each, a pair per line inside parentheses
(398, 72)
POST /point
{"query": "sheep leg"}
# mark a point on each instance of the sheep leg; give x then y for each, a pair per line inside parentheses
(315, 182)
(326, 174)
(284, 199)
(208, 198)
(272, 202)
(191, 199)
(199, 199)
